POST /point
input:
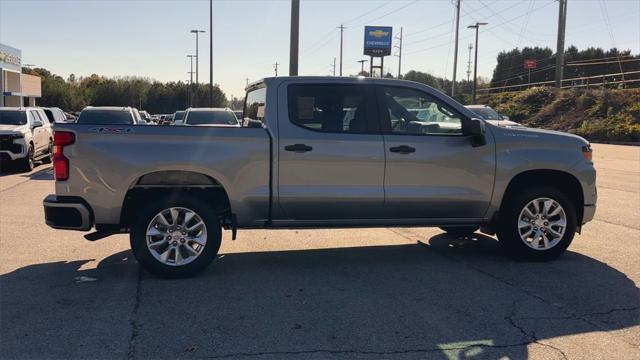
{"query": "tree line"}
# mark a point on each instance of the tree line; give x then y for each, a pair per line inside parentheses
(579, 64)
(73, 94)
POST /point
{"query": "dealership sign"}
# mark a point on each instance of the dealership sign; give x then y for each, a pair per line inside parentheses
(10, 58)
(377, 40)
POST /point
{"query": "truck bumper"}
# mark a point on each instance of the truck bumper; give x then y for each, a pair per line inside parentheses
(588, 213)
(67, 213)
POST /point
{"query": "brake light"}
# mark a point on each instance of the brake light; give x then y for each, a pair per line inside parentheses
(587, 152)
(60, 162)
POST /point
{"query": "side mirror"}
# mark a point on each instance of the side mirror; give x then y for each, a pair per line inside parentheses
(37, 123)
(477, 131)
(504, 117)
(250, 123)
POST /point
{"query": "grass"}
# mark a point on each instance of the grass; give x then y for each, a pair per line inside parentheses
(600, 115)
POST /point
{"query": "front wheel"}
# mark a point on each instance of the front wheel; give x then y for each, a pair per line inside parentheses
(176, 238)
(537, 224)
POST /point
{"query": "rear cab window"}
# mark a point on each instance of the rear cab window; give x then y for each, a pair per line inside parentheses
(105, 117)
(254, 106)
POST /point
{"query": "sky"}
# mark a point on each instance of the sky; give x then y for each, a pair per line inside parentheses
(151, 38)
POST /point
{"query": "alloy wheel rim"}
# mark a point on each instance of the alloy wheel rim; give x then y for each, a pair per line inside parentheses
(176, 236)
(542, 223)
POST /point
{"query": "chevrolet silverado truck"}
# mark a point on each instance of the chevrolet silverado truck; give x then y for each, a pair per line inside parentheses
(322, 152)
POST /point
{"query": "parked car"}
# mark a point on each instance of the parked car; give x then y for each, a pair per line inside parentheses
(25, 136)
(487, 113)
(178, 117)
(107, 115)
(55, 115)
(210, 116)
(296, 162)
(238, 114)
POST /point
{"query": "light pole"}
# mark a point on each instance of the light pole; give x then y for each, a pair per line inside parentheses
(210, 53)
(475, 61)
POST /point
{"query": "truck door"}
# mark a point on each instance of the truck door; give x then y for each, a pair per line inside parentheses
(432, 170)
(331, 153)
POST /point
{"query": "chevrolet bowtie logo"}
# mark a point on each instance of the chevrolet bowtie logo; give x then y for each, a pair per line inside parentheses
(378, 33)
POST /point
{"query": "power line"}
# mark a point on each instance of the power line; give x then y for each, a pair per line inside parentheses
(366, 13)
(387, 14)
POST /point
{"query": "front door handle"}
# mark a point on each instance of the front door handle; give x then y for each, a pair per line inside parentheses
(299, 148)
(403, 149)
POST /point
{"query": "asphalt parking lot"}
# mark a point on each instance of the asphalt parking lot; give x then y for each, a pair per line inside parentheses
(392, 293)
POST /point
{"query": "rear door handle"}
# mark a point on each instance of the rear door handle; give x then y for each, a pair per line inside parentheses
(299, 148)
(403, 149)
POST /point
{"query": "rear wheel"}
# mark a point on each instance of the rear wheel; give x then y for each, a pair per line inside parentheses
(176, 238)
(537, 224)
(459, 231)
(49, 157)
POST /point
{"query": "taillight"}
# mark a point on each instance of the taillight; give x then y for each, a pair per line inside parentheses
(587, 152)
(60, 162)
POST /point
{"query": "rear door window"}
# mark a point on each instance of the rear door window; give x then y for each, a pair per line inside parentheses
(339, 108)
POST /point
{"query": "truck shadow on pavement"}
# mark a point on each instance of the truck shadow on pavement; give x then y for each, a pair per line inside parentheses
(444, 298)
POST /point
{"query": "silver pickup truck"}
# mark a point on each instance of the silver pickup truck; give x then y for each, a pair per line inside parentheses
(321, 152)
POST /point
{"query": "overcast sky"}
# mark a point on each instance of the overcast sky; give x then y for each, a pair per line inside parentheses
(151, 38)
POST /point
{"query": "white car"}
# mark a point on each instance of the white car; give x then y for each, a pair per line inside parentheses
(490, 115)
(25, 136)
(211, 117)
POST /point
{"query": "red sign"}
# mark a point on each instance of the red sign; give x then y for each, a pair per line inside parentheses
(530, 64)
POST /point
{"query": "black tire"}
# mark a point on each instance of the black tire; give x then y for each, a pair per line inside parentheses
(49, 159)
(460, 231)
(138, 238)
(508, 233)
(28, 163)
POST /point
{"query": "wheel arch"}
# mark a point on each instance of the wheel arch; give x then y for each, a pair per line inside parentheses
(564, 181)
(174, 183)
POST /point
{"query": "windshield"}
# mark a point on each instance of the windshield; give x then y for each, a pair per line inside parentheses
(179, 115)
(13, 118)
(211, 117)
(105, 117)
(487, 113)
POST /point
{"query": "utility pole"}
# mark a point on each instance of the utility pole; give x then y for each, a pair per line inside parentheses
(294, 37)
(210, 53)
(475, 60)
(197, 58)
(400, 53)
(190, 78)
(362, 65)
(469, 62)
(275, 66)
(455, 50)
(562, 21)
(247, 82)
(341, 27)
(333, 71)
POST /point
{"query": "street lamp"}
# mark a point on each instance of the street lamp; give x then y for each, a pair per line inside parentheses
(475, 61)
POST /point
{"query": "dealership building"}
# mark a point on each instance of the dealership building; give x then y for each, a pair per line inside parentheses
(16, 89)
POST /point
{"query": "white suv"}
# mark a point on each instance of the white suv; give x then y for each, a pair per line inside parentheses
(25, 136)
